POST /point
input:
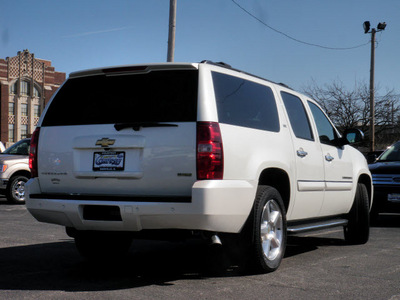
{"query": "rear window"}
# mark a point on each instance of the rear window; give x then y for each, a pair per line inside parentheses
(245, 103)
(157, 96)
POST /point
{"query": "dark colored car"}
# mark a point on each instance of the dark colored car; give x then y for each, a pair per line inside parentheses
(386, 178)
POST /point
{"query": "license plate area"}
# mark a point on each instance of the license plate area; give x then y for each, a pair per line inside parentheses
(109, 161)
(394, 198)
(101, 213)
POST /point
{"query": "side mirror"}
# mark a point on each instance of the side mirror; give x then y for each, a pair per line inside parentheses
(352, 136)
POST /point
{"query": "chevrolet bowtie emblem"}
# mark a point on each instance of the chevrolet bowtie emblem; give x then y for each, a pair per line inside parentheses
(105, 142)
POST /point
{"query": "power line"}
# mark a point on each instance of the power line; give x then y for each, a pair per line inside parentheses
(292, 38)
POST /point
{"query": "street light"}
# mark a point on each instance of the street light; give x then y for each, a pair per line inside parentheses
(367, 26)
(380, 27)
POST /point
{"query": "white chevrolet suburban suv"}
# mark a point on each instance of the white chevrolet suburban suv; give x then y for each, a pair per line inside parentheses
(165, 150)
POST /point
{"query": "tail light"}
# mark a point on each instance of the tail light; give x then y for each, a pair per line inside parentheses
(210, 156)
(33, 153)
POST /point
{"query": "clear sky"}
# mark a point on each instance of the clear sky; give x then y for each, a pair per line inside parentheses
(82, 34)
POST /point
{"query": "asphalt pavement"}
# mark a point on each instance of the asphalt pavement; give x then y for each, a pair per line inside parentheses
(39, 261)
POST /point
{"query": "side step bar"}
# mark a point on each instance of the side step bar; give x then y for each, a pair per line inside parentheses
(305, 227)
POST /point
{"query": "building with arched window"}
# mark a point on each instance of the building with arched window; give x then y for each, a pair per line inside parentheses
(26, 85)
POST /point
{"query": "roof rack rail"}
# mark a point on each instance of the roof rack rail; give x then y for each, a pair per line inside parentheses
(225, 65)
(220, 63)
(284, 85)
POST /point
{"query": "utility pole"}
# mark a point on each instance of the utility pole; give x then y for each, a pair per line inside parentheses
(171, 31)
(380, 27)
(372, 93)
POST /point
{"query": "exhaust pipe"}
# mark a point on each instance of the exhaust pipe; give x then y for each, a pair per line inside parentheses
(215, 240)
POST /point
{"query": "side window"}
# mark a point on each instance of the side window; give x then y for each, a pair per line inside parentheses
(327, 133)
(245, 103)
(297, 116)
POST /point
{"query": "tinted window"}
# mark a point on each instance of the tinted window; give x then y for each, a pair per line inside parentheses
(157, 96)
(327, 133)
(297, 116)
(245, 103)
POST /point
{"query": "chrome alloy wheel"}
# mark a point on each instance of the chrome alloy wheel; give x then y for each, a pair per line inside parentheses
(271, 231)
(18, 190)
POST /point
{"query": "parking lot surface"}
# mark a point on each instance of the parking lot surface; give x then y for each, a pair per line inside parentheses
(40, 261)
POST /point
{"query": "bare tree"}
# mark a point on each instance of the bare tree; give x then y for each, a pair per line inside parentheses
(350, 108)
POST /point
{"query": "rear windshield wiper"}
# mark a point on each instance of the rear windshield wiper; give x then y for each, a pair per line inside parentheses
(137, 125)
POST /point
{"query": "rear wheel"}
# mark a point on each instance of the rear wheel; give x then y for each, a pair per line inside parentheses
(357, 230)
(108, 246)
(16, 189)
(269, 230)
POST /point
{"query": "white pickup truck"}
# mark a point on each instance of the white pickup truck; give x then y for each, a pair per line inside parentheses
(160, 150)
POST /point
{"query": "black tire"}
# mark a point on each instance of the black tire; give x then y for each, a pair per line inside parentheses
(268, 230)
(357, 230)
(104, 246)
(16, 189)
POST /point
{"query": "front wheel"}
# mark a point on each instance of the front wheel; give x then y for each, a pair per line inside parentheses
(357, 230)
(16, 189)
(269, 230)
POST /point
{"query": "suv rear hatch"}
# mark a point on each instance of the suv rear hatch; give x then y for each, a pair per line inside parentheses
(126, 133)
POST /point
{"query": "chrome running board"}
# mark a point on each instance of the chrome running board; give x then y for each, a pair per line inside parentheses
(312, 226)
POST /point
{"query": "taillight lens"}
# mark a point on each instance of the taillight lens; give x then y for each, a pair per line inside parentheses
(210, 156)
(33, 153)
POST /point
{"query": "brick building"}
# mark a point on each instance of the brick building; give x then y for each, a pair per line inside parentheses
(26, 85)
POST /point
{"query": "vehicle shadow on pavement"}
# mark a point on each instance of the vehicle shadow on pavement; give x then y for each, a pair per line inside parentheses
(58, 266)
